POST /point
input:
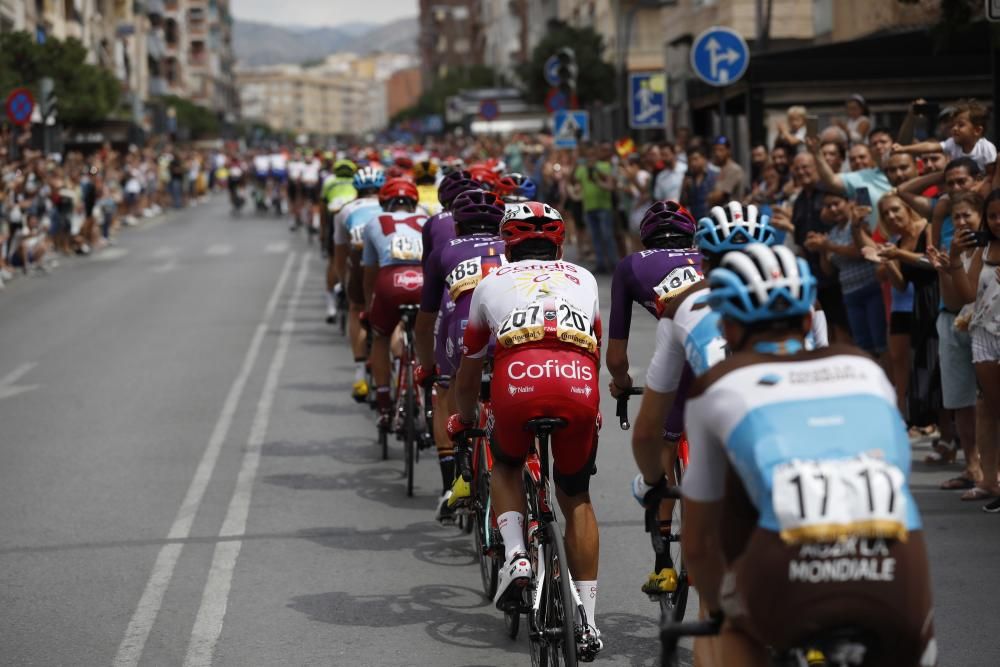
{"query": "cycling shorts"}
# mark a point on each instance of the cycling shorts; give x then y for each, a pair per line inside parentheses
(442, 327)
(547, 382)
(294, 189)
(395, 286)
(794, 593)
(674, 426)
(279, 176)
(355, 278)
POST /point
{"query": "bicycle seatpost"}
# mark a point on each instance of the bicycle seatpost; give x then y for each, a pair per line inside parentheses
(622, 409)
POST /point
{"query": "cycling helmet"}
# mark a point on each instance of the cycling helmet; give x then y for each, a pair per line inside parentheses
(450, 164)
(398, 188)
(531, 220)
(369, 178)
(344, 168)
(403, 161)
(485, 176)
(521, 188)
(760, 283)
(425, 170)
(477, 211)
(666, 219)
(731, 228)
(454, 184)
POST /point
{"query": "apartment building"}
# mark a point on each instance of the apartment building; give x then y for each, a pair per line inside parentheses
(451, 35)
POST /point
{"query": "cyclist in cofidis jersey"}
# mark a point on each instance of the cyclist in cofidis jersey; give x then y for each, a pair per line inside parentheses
(798, 516)
(545, 317)
(437, 232)
(451, 273)
(392, 275)
(348, 239)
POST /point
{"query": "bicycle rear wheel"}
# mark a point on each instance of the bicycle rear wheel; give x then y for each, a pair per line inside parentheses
(561, 617)
(674, 605)
(488, 567)
(409, 429)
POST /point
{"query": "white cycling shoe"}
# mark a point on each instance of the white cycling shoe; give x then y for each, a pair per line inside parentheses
(513, 576)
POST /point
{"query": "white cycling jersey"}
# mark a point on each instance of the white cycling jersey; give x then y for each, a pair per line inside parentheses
(295, 168)
(310, 172)
(511, 304)
(262, 164)
(349, 223)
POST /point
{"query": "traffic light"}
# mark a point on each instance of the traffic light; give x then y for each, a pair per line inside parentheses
(49, 102)
(567, 69)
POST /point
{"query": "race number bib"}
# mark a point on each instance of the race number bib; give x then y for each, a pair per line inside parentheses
(575, 327)
(358, 236)
(406, 248)
(674, 283)
(522, 325)
(464, 277)
(823, 501)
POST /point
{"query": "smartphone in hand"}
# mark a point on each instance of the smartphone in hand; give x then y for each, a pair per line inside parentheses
(979, 239)
(862, 197)
(812, 126)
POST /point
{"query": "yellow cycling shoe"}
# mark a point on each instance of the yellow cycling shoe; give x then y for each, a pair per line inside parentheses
(360, 391)
(814, 657)
(664, 581)
(460, 492)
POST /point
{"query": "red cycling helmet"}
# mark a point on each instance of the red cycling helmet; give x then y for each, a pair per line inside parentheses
(398, 188)
(484, 175)
(532, 220)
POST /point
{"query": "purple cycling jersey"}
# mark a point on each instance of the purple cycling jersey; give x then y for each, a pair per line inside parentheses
(649, 278)
(437, 231)
(451, 273)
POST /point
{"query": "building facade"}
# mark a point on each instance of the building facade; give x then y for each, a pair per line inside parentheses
(451, 36)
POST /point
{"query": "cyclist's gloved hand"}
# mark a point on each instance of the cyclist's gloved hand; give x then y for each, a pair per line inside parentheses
(456, 425)
(423, 376)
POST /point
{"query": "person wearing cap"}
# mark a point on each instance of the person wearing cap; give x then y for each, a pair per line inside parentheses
(729, 183)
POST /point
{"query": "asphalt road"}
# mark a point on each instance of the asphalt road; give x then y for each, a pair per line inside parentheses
(184, 479)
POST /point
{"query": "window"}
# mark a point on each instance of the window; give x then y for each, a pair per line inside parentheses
(822, 17)
(461, 45)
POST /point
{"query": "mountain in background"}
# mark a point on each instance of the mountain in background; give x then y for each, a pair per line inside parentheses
(267, 44)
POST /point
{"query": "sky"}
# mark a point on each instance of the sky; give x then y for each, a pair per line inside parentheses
(323, 12)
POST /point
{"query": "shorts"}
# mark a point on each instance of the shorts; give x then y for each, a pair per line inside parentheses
(985, 346)
(395, 286)
(673, 429)
(355, 278)
(791, 594)
(294, 189)
(546, 382)
(279, 176)
(832, 300)
(958, 377)
(442, 327)
(900, 323)
(311, 193)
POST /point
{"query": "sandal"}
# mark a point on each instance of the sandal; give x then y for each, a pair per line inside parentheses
(943, 454)
(978, 493)
(958, 484)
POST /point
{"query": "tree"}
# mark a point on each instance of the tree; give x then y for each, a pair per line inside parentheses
(86, 93)
(199, 121)
(595, 78)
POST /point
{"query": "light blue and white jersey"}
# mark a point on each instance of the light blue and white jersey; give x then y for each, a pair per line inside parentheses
(816, 439)
(393, 239)
(688, 334)
(350, 221)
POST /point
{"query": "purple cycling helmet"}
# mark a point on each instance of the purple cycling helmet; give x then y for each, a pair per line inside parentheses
(477, 211)
(667, 223)
(453, 184)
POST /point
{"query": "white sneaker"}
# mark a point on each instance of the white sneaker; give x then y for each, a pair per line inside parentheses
(513, 576)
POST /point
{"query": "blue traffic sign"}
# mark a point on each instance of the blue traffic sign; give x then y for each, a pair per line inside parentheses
(489, 109)
(19, 106)
(719, 56)
(647, 101)
(552, 71)
(569, 127)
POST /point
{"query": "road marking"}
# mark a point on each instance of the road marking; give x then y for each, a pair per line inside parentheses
(277, 247)
(208, 624)
(166, 267)
(164, 252)
(134, 641)
(110, 254)
(7, 386)
(219, 250)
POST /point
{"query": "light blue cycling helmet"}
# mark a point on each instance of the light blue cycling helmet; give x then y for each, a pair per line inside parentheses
(731, 228)
(759, 283)
(369, 179)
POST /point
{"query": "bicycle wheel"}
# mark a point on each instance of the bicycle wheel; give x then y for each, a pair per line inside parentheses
(409, 433)
(561, 618)
(383, 441)
(674, 605)
(488, 567)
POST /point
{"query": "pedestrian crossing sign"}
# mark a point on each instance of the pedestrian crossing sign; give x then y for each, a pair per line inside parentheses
(569, 127)
(648, 103)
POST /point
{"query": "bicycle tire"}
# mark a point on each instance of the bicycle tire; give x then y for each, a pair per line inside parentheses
(409, 431)
(488, 568)
(674, 606)
(557, 570)
(383, 441)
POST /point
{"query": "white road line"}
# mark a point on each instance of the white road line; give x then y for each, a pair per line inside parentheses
(219, 250)
(277, 247)
(166, 267)
(164, 252)
(110, 254)
(132, 645)
(215, 598)
(7, 386)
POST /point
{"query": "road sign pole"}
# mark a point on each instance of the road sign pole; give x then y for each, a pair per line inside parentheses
(722, 111)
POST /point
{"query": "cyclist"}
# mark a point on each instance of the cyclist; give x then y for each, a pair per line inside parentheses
(545, 315)
(295, 166)
(425, 176)
(392, 275)
(798, 518)
(517, 188)
(310, 194)
(278, 161)
(348, 238)
(261, 172)
(451, 272)
(336, 190)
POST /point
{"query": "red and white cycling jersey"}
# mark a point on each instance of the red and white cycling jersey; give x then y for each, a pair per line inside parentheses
(535, 303)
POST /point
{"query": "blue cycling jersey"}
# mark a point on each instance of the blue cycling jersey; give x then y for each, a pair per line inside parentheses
(392, 239)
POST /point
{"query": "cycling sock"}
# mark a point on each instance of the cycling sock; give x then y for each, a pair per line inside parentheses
(511, 525)
(382, 399)
(447, 463)
(359, 369)
(331, 303)
(587, 590)
(663, 560)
